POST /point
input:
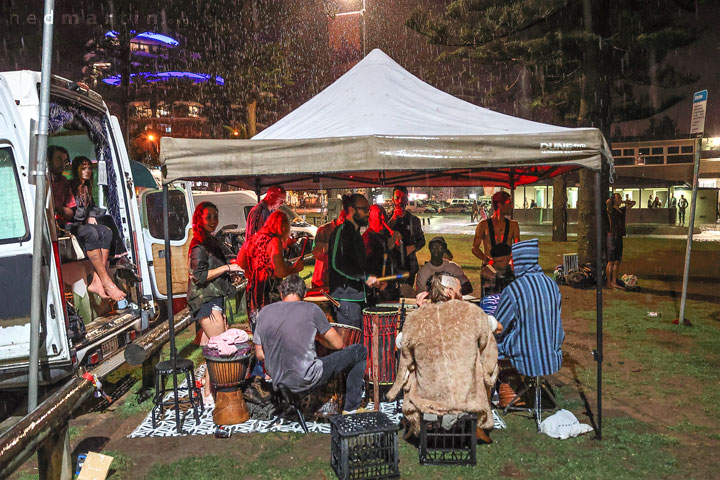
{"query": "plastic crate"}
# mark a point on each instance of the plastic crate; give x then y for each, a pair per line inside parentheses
(364, 445)
(455, 446)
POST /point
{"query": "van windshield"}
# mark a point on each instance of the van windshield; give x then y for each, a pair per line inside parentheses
(13, 221)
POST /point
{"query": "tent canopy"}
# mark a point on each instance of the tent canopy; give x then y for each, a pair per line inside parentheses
(379, 125)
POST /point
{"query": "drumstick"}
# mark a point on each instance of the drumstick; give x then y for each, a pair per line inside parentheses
(492, 269)
(332, 300)
(390, 230)
(304, 257)
(399, 276)
(392, 233)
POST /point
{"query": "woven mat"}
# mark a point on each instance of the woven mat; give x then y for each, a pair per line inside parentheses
(166, 425)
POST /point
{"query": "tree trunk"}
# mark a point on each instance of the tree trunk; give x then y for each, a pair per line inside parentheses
(594, 111)
(560, 209)
(251, 119)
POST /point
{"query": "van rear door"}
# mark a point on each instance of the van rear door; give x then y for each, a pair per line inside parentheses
(16, 277)
(180, 236)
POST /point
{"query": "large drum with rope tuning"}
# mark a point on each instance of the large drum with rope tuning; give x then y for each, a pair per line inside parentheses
(382, 323)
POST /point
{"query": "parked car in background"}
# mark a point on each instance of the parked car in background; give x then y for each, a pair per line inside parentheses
(458, 205)
(416, 206)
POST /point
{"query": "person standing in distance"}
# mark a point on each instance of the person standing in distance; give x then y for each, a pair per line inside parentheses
(682, 205)
(496, 235)
(274, 197)
(616, 211)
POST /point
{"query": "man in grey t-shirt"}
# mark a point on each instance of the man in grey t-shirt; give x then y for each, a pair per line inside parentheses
(285, 339)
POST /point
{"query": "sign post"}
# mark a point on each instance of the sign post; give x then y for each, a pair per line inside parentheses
(697, 127)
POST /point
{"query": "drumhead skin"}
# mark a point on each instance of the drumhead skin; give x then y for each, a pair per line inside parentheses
(397, 306)
(380, 311)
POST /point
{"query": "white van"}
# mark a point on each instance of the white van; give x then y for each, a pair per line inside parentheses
(80, 122)
(458, 205)
(233, 210)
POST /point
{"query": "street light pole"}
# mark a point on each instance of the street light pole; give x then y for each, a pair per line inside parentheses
(364, 31)
(36, 292)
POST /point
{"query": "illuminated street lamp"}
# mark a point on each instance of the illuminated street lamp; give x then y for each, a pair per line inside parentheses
(360, 12)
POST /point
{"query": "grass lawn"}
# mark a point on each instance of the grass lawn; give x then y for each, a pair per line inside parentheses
(661, 416)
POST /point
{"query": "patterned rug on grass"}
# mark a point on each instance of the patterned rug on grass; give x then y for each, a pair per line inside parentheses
(165, 426)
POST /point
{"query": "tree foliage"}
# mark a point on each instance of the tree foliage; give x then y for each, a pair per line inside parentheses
(552, 41)
(237, 41)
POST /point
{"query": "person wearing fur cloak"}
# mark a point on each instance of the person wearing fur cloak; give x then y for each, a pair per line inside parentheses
(448, 360)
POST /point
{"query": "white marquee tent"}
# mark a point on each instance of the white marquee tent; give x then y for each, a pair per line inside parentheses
(378, 125)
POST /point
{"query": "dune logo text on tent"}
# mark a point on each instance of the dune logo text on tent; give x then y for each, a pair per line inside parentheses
(561, 147)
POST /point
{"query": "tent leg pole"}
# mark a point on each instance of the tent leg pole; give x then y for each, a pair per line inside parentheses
(168, 274)
(598, 295)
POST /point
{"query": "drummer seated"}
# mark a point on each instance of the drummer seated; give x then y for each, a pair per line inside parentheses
(285, 339)
(439, 262)
(448, 360)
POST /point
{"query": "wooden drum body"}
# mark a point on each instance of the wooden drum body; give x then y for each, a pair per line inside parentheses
(226, 374)
(379, 332)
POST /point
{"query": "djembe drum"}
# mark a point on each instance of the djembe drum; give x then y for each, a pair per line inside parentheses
(226, 374)
(350, 335)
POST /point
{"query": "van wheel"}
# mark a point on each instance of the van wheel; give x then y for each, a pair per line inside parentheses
(160, 312)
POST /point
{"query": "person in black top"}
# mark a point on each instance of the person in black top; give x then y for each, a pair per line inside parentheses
(496, 236)
(410, 229)
(95, 230)
(379, 244)
(616, 210)
(348, 264)
(209, 278)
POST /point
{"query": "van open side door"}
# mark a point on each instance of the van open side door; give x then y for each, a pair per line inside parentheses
(180, 229)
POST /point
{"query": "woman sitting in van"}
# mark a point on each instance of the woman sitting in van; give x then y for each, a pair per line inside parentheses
(262, 259)
(95, 231)
(209, 278)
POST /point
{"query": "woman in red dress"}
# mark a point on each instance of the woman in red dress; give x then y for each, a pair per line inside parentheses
(262, 259)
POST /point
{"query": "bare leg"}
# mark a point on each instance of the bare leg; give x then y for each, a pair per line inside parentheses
(98, 259)
(213, 325)
(608, 274)
(616, 267)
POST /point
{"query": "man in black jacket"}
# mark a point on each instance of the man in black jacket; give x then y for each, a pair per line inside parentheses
(413, 238)
(348, 264)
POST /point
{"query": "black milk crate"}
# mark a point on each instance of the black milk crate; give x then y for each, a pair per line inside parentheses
(364, 445)
(455, 446)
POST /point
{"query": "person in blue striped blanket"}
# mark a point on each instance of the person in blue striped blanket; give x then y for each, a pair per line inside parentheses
(529, 311)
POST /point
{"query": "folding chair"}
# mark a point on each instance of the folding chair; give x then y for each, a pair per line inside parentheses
(292, 403)
(539, 384)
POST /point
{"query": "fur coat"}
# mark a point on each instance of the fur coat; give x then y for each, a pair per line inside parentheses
(448, 363)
